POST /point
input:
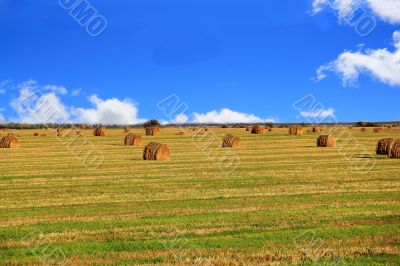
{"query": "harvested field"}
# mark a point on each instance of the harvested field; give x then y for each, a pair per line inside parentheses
(284, 194)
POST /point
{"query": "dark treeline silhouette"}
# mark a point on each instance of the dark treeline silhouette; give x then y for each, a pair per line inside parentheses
(155, 122)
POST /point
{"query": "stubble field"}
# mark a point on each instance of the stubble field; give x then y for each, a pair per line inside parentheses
(287, 201)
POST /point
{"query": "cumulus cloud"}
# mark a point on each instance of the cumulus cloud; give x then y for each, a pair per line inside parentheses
(109, 111)
(223, 116)
(382, 64)
(387, 10)
(180, 119)
(320, 114)
(36, 107)
(43, 104)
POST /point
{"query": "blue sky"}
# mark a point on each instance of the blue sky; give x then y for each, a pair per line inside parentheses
(243, 57)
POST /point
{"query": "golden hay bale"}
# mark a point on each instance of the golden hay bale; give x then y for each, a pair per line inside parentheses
(156, 151)
(383, 146)
(394, 151)
(378, 130)
(59, 132)
(152, 131)
(248, 128)
(181, 133)
(230, 141)
(9, 142)
(364, 129)
(100, 132)
(389, 126)
(316, 130)
(133, 140)
(296, 130)
(270, 129)
(79, 133)
(206, 129)
(127, 130)
(36, 134)
(258, 129)
(42, 135)
(350, 127)
(326, 141)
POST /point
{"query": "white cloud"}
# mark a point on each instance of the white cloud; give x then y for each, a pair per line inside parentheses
(43, 104)
(321, 113)
(381, 64)
(220, 117)
(3, 86)
(35, 107)
(109, 111)
(180, 119)
(57, 89)
(2, 119)
(387, 10)
(76, 92)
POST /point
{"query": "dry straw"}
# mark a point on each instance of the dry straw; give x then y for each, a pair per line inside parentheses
(133, 140)
(59, 132)
(258, 129)
(152, 131)
(100, 132)
(9, 142)
(296, 130)
(230, 141)
(326, 141)
(316, 130)
(156, 151)
(394, 151)
(383, 146)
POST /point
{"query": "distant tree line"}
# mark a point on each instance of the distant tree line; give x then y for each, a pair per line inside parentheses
(155, 122)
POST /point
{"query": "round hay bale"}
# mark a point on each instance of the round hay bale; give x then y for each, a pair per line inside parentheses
(127, 130)
(230, 141)
(248, 128)
(133, 140)
(316, 130)
(394, 151)
(181, 133)
(156, 151)
(378, 130)
(59, 132)
(206, 129)
(296, 130)
(326, 141)
(79, 133)
(364, 129)
(389, 126)
(270, 129)
(383, 146)
(9, 142)
(100, 132)
(36, 134)
(152, 131)
(258, 130)
(42, 135)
